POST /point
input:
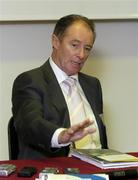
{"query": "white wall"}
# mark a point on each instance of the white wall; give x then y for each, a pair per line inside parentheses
(53, 9)
(114, 61)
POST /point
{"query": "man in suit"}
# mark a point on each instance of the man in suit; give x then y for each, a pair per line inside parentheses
(40, 106)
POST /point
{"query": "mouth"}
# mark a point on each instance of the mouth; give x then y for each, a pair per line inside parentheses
(77, 63)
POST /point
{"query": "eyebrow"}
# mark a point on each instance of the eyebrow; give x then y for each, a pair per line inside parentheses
(77, 41)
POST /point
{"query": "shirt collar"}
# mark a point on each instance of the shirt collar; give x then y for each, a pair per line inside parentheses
(60, 75)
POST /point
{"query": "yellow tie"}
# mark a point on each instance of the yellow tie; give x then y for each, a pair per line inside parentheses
(76, 110)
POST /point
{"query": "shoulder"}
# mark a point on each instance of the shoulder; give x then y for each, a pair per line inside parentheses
(28, 76)
(33, 75)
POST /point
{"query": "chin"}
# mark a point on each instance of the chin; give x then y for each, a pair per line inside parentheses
(73, 72)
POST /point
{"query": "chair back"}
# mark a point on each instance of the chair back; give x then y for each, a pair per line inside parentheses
(12, 140)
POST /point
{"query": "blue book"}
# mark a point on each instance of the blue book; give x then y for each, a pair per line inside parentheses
(50, 176)
(92, 176)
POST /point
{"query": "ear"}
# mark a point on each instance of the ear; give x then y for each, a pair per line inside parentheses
(55, 41)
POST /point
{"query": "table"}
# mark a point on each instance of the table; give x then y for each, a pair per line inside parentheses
(60, 162)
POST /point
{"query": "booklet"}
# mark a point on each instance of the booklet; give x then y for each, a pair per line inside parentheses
(105, 158)
(50, 176)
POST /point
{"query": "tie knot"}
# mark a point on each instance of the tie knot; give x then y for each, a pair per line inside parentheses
(70, 84)
(70, 81)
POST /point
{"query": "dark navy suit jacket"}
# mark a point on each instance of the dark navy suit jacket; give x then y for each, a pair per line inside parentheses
(39, 108)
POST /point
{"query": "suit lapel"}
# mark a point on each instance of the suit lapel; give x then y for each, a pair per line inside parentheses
(88, 91)
(55, 92)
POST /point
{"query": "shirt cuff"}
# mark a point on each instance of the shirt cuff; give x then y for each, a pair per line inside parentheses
(54, 141)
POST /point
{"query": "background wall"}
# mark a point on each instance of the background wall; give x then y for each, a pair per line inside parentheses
(114, 60)
(53, 9)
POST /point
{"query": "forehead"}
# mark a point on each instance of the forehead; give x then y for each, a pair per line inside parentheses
(79, 30)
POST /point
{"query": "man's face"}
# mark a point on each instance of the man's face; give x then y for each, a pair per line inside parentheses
(74, 48)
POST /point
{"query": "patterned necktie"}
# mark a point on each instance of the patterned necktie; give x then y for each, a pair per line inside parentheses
(76, 109)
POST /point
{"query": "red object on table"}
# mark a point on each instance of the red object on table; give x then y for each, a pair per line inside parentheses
(60, 163)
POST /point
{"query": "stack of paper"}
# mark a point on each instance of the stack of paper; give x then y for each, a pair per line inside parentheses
(105, 158)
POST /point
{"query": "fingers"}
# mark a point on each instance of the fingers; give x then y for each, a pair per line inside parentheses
(91, 130)
(84, 124)
(79, 130)
(80, 127)
(76, 131)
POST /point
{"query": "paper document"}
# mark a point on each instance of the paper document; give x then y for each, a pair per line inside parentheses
(74, 177)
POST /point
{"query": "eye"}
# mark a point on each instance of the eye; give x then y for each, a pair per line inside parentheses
(88, 49)
(74, 45)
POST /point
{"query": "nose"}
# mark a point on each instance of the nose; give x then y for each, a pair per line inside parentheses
(81, 53)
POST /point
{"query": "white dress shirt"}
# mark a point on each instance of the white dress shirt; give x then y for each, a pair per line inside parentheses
(61, 76)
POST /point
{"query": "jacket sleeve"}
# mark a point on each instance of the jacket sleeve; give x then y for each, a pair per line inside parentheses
(28, 112)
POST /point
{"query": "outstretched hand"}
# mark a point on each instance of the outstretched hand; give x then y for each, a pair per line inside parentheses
(76, 132)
